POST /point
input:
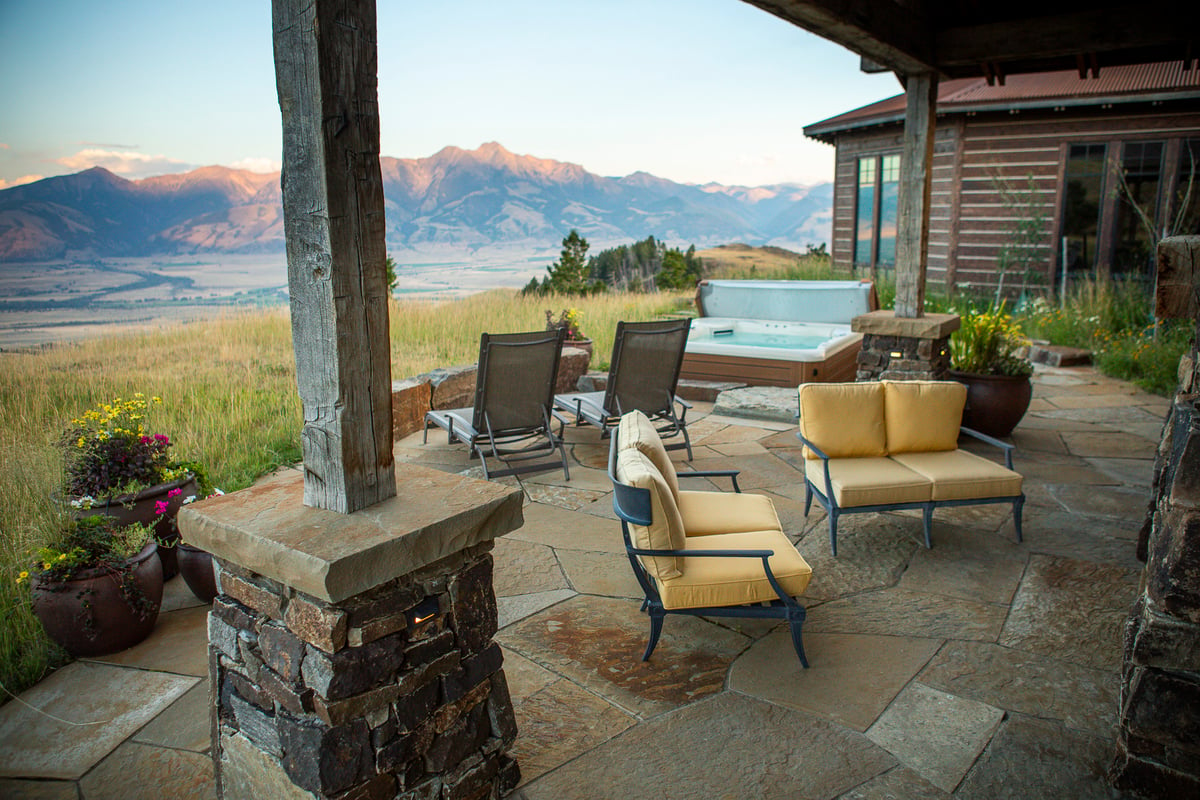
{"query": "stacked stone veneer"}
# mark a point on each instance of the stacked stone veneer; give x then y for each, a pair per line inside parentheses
(1158, 739)
(898, 348)
(356, 700)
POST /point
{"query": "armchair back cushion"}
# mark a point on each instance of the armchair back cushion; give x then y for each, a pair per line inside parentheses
(665, 532)
(923, 416)
(845, 420)
(636, 431)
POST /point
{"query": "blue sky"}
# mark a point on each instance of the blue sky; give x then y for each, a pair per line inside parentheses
(691, 90)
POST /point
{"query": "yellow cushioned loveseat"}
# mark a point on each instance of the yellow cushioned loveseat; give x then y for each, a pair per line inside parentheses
(700, 553)
(883, 445)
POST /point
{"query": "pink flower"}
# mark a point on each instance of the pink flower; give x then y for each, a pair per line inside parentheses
(160, 507)
(175, 492)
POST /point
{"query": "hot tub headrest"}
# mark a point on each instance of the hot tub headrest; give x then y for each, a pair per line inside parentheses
(834, 302)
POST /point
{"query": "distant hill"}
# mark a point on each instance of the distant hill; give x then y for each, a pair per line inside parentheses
(455, 199)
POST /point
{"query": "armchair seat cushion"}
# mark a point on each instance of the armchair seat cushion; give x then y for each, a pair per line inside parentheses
(959, 475)
(707, 513)
(870, 481)
(708, 582)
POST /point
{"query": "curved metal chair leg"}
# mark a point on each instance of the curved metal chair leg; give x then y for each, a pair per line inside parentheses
(795, 621)
(656, 623)
(808, 494)
(928, 521)
(1018, 504)
(833, 516)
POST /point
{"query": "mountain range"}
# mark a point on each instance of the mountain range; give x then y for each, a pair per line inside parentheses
(460, 200)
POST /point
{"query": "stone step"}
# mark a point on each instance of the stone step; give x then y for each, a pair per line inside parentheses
(776, 403)
(1058, 355)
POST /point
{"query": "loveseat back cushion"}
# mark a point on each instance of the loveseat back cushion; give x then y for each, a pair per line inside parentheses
(636, 431)
(922, 416)
(715, 582)
(845, 420)
(665, 531)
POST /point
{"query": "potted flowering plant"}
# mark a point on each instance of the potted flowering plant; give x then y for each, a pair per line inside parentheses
(116, 466)
(985, 355)
(97, 588)
(570, 319)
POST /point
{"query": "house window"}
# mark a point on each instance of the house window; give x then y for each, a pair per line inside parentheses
(1081, 204)
(877, 199)
(1137, 209)
(1184, 206)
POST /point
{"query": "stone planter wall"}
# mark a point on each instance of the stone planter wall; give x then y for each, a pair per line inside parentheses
(355, 699)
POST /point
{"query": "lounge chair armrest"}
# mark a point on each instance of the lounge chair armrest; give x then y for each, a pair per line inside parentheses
(714, 473)
(820, 453)
(983, 437)
(683, 403)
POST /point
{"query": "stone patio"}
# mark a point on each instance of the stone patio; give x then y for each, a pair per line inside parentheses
(978, 669)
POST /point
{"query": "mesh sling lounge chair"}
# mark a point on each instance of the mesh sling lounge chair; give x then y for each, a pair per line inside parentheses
(511, 418)
(642, 377)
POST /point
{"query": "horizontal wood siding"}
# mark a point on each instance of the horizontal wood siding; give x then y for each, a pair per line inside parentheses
(1019, 150)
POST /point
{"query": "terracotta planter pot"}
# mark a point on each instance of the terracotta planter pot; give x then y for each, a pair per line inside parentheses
(140, 508)
(995, 403)
(196, 567)
(581, 344)
(91, 615)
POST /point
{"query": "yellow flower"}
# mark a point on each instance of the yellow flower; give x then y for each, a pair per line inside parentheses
(23, 576)
(156, 399)
(79, 442)
(62, 556)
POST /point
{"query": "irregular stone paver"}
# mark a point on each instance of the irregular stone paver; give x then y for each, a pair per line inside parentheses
(782, 439)
(1033, 440)
(523, 676)
(592, 480)
(598, 643)
(1056, 421)
(776, 403)
(1108, 501)
(1062, 469)
(1114, 417)
(567, 497)
(184, 725)
(166, 648)
(591, 455)
(695, 753)
(757, 472)
(1109, 444)
(568, 530)
(900, 612)
(38, 790)
(517, 607)
(177, 595)
(602, 508)
(70, 721)
(1079, 697)
(524, 568)
(899, 784)
(1103, 540)
(850, 679)
(873, 550)
(559, 722)
(740, 449)
(1035, 758)
(966, 565)
(606, 574)
(936, 734)
(1072, 610)
(141, 772)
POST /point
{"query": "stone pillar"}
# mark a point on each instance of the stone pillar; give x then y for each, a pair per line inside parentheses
(900, 348)
(1158, 734)
(351, 656)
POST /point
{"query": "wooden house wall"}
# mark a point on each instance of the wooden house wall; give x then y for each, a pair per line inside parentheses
(974, 155)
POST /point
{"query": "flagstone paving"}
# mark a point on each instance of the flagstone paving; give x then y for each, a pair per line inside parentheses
(983, 668)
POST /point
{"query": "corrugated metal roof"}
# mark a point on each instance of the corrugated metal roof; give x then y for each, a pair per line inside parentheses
(1114, 84)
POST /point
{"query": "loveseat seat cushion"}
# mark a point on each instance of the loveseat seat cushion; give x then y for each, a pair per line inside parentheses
(870, 481)
(665, 531)
(959, 475)
(637, 431)
(734, 581)
(706, 513)
(922, 416)
(845, 420)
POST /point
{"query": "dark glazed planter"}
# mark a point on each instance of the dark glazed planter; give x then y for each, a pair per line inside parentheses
(90, 615)
(196, 567)
(580, 344)
(140, 508)
(995, 403)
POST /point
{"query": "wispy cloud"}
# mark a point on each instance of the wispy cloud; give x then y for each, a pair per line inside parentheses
(124, 163)
(257, 165)
(110, 146)
(19, 181)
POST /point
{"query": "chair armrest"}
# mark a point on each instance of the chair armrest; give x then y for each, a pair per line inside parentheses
(714, 473)
(983, 437)
(820, 453)
(637, 551)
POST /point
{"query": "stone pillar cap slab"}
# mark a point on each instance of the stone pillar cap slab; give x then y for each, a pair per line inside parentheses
(267, 529)
(886, 323)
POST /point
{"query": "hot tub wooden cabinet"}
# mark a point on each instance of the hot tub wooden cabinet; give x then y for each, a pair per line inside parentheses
(776, 333)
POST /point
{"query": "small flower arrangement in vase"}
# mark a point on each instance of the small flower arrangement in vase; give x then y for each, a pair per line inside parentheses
(116, 466)
(97, 588)
(570, 319)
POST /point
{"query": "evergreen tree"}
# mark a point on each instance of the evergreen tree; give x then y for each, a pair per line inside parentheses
(569, 275)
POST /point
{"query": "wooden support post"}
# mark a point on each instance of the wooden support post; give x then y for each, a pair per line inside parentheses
(326, 70)
(916, 172)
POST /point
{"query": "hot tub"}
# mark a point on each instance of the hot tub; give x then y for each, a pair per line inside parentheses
(776, 333)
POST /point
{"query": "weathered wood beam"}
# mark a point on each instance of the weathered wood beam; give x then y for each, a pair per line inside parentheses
(326, 70)
(916, 172)
(882, 31)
